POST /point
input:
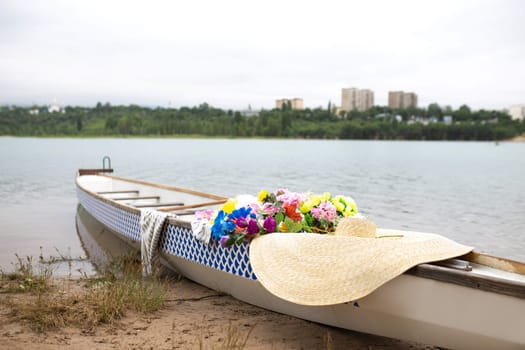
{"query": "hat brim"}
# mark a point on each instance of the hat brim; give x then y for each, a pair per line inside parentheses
(314, 269)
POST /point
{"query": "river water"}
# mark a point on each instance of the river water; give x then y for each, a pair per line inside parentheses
(472, 192)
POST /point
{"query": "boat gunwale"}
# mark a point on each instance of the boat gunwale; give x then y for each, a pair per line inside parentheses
(470, 279)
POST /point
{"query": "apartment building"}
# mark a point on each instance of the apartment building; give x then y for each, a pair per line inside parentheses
(356, 99)
(517, 112)
(294, 103)
(401, 99)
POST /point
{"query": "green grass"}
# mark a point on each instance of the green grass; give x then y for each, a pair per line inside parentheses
(27, 276)
(103, 299)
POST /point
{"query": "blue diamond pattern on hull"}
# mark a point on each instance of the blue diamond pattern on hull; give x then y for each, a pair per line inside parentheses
(178, 241)
(119, 220)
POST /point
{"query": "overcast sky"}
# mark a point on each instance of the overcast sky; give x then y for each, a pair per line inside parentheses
(234, 53)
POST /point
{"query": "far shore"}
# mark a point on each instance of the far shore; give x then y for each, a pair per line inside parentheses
(520, 138)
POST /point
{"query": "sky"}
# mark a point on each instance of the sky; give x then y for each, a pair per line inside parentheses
(232, 54)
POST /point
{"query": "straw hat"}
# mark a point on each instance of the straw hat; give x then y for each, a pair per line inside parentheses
(315, 269)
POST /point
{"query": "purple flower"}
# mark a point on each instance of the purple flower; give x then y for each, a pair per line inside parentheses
(241, 222)
(223, 240)
(269, 224)
(253, 228)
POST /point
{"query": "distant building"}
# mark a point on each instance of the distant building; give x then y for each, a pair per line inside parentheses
(448, 119)
(409, 100)
(249, 112)
(356, 99)
(294, 103)
(336, 110)
(517, 112)
(34, 111)
(401, 99)
(395, 99)
(54, 107)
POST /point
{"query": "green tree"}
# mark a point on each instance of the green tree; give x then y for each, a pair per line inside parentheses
(434, 111)
(463, 113)
(79, 123)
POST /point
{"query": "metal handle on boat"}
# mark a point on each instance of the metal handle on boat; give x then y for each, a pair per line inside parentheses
(104, 162)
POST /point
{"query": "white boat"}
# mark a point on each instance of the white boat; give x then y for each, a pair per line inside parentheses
(476, 301)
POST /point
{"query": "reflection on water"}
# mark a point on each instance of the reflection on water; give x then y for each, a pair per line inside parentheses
(101, 246)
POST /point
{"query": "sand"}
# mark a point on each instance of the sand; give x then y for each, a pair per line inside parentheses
(520, 138)
(194, 317)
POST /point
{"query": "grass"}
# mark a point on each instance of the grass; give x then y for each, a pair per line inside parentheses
(328, 341)
(122, 287)
(103, 300)
(234, 339)
(27, 276)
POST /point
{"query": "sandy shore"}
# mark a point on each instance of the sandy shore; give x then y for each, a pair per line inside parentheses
(520, 138)
(194, 318)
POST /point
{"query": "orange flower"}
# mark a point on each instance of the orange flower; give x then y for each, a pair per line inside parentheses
(291, 212)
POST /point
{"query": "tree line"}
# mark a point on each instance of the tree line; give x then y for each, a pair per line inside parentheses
(382, 123)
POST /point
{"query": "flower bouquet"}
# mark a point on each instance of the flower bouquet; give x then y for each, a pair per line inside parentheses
(244, 217)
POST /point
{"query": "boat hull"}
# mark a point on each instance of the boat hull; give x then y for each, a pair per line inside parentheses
(408, 307)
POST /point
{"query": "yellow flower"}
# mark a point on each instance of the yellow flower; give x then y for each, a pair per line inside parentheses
(308, 204)
(350, 210)
(229, 206)
(315, 199)
(344, 205)
(304, 208)
(339, 206)
(262, 195)
(325, 196)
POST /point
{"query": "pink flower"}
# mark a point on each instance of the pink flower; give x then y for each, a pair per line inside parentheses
(325, 211)
(288, 198)
(270, 209)
(204, 215)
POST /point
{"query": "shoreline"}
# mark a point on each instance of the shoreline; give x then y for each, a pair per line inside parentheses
(520, 138)
(193, 317)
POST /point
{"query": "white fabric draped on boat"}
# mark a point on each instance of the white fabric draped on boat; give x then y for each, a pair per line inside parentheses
(151, 224)
(201, 230)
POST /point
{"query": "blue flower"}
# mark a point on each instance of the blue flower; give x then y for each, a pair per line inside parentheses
(222, 225)
(242, 212)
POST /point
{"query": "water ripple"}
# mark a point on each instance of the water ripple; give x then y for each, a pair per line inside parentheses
(467, 191)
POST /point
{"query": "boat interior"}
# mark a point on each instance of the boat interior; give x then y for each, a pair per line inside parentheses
(139, 195)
